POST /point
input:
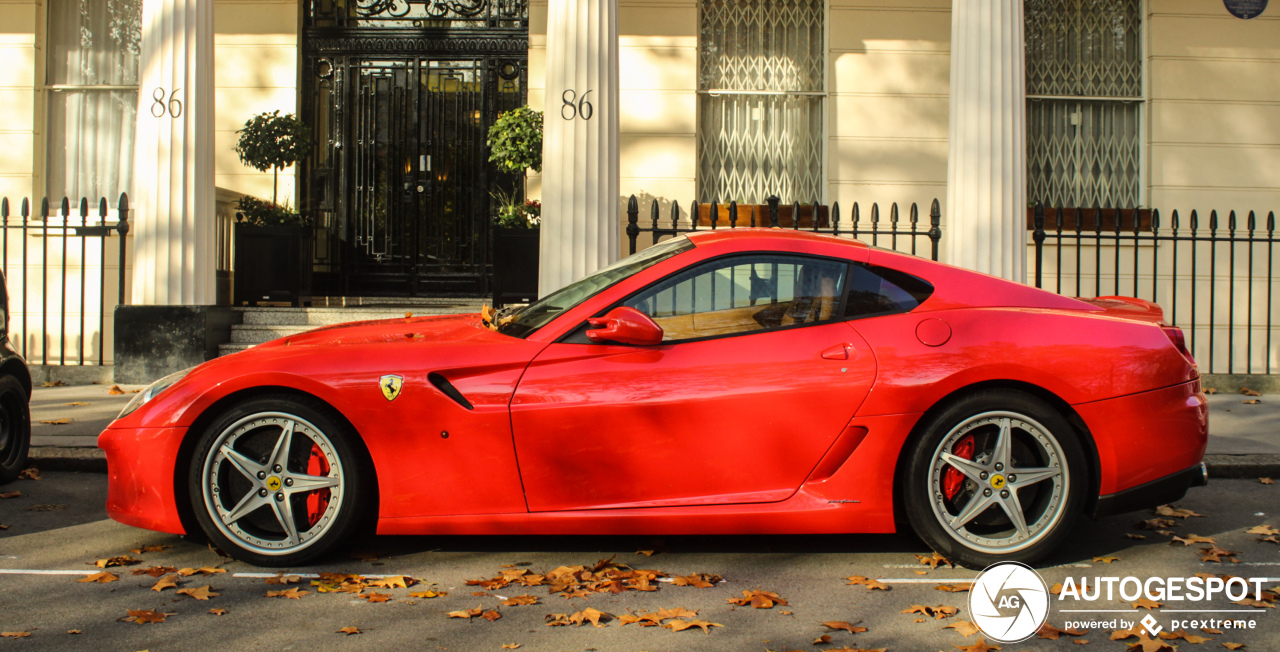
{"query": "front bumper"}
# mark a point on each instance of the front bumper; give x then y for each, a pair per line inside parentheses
(140, 476)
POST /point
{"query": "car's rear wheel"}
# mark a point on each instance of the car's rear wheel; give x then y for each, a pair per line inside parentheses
(279, 481)
(15, 428)
(996, 476)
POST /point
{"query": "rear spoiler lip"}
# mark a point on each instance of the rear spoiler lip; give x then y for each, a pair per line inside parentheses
(1132, 308)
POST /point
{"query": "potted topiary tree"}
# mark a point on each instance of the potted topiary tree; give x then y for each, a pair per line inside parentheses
(515, 145)
(273, 242)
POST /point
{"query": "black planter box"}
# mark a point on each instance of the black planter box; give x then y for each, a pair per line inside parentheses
(272, 264)
(155, 341)
(515, 266)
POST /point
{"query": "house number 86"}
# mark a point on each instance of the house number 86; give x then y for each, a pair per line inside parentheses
(570, 110)
(159, 107)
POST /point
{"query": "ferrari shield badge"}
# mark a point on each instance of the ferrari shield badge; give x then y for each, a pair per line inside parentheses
(391, 386)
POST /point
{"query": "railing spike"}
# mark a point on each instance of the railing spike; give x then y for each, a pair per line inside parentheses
(84, 208)
(733, 213)
(65, 207)
(1195, 221)
(102, 208)
(817, 208)
(1155, 220)
(835, 217)
(795, 216)
(695, 214)
(1252, 222)
(1213, 220)
(1231, 221)
(914, 216)
(1271, 221)
(26, 208)
(4, 207)
(675, 214)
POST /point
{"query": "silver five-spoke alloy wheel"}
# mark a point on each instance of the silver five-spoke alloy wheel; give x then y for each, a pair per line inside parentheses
(273, 483)
(998, 482)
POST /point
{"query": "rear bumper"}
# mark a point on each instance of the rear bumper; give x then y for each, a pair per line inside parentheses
(140, 476)
(1157, 492)
(1144, 438)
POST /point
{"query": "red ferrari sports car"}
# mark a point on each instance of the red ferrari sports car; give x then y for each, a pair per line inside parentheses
(734, 381)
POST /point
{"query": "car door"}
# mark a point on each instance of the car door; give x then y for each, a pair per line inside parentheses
(755, 378)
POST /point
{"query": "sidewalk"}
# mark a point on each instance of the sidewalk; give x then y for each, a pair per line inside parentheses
(1244, 440)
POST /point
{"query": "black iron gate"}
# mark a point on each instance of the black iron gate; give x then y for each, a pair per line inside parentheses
(400, 185)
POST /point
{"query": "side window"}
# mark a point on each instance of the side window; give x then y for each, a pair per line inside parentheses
(883, 291)
(744, 293)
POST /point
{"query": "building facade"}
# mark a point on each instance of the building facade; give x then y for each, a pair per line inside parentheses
(986, 105)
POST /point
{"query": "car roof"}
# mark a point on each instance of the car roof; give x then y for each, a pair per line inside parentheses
(710, 236)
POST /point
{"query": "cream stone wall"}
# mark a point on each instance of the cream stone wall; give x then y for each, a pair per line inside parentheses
(18, 132)
(888, 74)
(1214, 94)
(255, 70)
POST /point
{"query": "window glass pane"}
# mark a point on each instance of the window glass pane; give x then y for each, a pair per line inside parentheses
(1084, 149)
(759, 141)
(744, 294)
(90, 150)
(881, 291)
(94, 42)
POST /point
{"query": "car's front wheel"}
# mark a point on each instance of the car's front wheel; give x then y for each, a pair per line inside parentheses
(279, 481)
(996, 476)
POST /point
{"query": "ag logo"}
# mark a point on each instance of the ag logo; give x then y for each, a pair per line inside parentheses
(1009, 601)
(391, 385)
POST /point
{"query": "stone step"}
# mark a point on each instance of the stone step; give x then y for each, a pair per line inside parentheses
(259, 333)
(326, 316)
(228, 349)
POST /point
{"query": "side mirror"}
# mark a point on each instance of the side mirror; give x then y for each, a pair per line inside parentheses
(625, 326)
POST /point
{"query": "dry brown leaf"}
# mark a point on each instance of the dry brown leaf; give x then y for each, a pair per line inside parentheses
(145, 616)
(646, 553)
(822, 640)
(679, 625)
(144, 549)
(852, 628)
(1053, 633)
(871, 584)
(939, 612)
(1106, 560)
(1216, 555)
(1145, 644)
(466, 613)
(954, 588)
(963, 627)
(933, 560)
(1233, 646)
(1250, 602)
(1262, 529)
(1253, 401)
(56, 422)
(697, 580)
(1175, 511)
(292, 593)
(201, 593)
(15, 634)
(46, 508)
(115, 390)
(1144, 603)
(394, 582)
(101, 578)
(1249, 392)
(122, 560)
(428, 594)
(1266, 481)
(1156, 524)
(1131, 535)
(349, 630)
(758, 599)
(11, 494)
(282, 579)
(203, 570)
(166, 582)
(510, 646)
(29, 473)
(218, 612)
(155, 571)
(74, 631)
(374, 597)
(1195, 538)
(521, 600)
(76, 403)
(1081, 641)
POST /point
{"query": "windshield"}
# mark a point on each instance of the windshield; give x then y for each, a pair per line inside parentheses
(539, 314)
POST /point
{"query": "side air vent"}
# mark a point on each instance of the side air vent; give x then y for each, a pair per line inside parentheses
(449, 390)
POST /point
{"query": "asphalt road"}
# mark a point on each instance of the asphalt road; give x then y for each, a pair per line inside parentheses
(807, 571)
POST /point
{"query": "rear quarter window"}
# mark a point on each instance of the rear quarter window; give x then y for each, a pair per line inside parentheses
(875, 291)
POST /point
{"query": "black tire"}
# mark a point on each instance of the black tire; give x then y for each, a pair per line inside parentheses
(15, 428)
(1039, 441)
(252, 430)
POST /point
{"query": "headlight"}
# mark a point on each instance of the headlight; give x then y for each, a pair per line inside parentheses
(140, 399)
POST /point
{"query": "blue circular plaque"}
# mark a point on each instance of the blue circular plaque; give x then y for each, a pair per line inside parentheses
(1245, 8)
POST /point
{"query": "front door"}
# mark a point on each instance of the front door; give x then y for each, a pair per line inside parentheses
(401, 98)
(758, 378)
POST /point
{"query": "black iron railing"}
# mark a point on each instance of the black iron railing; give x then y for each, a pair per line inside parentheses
(815, 218)
(1193, 272)
(69, 237)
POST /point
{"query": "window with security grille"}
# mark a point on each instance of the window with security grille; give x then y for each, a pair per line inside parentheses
(760, 100)
(1084, 102)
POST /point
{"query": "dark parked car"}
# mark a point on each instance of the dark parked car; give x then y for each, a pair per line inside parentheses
(15, 398)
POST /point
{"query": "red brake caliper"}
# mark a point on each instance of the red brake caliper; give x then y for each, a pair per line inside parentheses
(318, 501)
(952, 478)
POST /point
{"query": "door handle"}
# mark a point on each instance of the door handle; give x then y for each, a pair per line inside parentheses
(842, 351)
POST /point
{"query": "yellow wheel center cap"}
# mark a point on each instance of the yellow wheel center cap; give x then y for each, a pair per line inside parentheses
(997, 482)
(273, 483)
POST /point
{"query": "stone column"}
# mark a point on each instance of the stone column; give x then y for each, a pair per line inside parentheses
(984, 224)
(173, 196)
(580, 221)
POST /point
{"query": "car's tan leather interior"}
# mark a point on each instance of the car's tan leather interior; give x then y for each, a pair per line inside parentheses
(814, 305)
